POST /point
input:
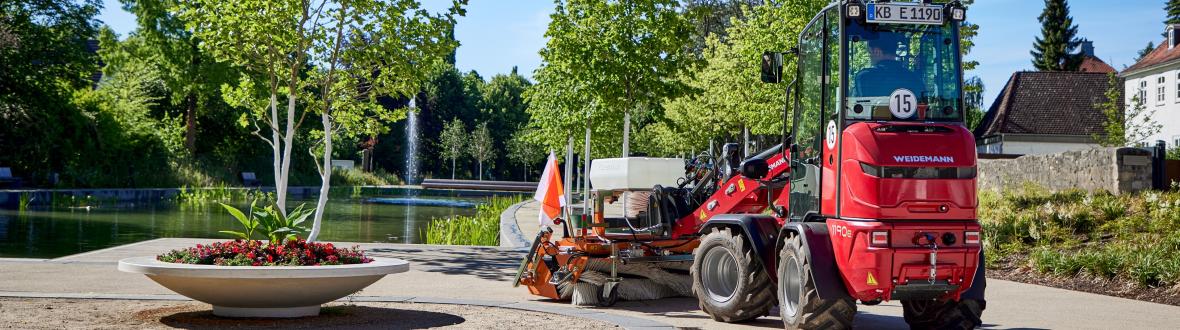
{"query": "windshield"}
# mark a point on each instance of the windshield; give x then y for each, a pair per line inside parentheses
(900, 72)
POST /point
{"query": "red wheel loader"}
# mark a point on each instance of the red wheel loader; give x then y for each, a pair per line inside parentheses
(871, 196)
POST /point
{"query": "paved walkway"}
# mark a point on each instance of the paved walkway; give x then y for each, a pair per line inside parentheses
(482, 276)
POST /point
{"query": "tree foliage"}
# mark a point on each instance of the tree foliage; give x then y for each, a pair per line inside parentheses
(1056, 48)
(523, 152)
(1146, 50)
(191, 74)
(605, 61)
(730, 95)
(1127, 126)
(452, 142)
(481, 146)
(1172, 8)
(43, 60)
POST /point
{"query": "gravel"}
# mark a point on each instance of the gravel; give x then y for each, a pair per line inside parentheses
(123, 314)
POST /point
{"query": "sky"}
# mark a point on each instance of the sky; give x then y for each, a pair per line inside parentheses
(497, 35)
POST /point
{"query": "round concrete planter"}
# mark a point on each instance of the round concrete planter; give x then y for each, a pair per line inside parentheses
(274, 291)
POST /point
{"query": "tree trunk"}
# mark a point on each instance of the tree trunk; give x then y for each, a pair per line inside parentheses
(627, 134)
(288, 144)
(481, 171)
(276, 144)
(325, 179)
(452, 168)
(190, 122)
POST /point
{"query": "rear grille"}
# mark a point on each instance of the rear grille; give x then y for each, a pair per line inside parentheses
(897, 172)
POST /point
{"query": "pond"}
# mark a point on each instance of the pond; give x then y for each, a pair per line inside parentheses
(57, 232)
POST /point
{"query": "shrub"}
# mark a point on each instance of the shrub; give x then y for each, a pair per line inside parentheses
(481, 229)
(1133, 237)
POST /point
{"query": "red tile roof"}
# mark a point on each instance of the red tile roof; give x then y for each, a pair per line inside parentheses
(1094, 64)
(1160, 55)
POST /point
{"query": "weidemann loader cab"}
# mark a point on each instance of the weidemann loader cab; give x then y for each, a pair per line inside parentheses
(879, 155)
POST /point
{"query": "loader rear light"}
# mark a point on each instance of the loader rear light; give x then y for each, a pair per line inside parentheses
(971, 238)
(879, 238)
(870, 170)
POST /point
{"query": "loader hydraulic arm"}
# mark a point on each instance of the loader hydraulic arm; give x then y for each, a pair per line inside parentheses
(740, 195)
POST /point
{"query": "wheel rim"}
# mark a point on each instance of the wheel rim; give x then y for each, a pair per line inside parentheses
(791, 287)
(719, 274)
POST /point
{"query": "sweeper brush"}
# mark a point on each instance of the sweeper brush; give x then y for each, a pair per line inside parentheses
(641, 281)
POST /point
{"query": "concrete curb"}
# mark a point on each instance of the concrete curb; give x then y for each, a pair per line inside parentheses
(623, 321)
(510, 234)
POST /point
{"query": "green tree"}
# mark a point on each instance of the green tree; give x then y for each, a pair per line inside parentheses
(713, 18)
(269, 41)
(523, 152)
(1056, 48)
(730, 97)
(623, 55)
(973, 101)
(1125, 127)
(332, 57)
(444, 97)
(480, 146)
(504, 107)
(1146, 50)
(191, 74)
(43, 60)
(1173, 11)
(451, 142)
(371, 49)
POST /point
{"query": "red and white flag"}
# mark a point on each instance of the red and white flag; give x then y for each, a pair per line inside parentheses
(550, 192)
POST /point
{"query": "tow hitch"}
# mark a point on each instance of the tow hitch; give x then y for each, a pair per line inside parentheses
(933, 288)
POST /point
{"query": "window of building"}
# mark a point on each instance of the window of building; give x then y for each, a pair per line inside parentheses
(1142, 90)
(1178, 87)
(1160, 89)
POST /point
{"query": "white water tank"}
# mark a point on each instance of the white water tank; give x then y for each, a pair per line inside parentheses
(635, 173)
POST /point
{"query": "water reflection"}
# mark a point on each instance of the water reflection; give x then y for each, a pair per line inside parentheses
(55, 233)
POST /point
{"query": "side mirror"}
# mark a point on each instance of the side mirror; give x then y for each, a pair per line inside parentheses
(772, 67)
(755, 169)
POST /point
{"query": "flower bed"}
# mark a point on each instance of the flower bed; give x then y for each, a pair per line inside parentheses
(295, 252)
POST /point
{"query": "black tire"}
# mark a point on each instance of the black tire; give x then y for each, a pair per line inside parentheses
(935, 314)
(730, 283)
(799, 303)
(608, 299)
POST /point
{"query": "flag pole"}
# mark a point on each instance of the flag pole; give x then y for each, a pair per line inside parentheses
(569, 170)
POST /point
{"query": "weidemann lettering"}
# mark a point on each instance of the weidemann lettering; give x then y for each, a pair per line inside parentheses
(924, 159)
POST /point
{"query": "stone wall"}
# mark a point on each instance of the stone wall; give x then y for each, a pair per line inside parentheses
(1116, 170)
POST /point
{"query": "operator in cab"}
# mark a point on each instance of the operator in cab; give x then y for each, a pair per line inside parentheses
(885, 73)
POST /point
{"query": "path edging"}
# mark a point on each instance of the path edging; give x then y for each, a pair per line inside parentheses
(623, 321)
(510, 234)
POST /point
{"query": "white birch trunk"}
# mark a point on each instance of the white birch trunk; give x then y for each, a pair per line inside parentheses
(275, 145)
(288, 143)
(325, 177)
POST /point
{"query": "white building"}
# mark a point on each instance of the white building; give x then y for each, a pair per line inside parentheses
(1156, 80)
